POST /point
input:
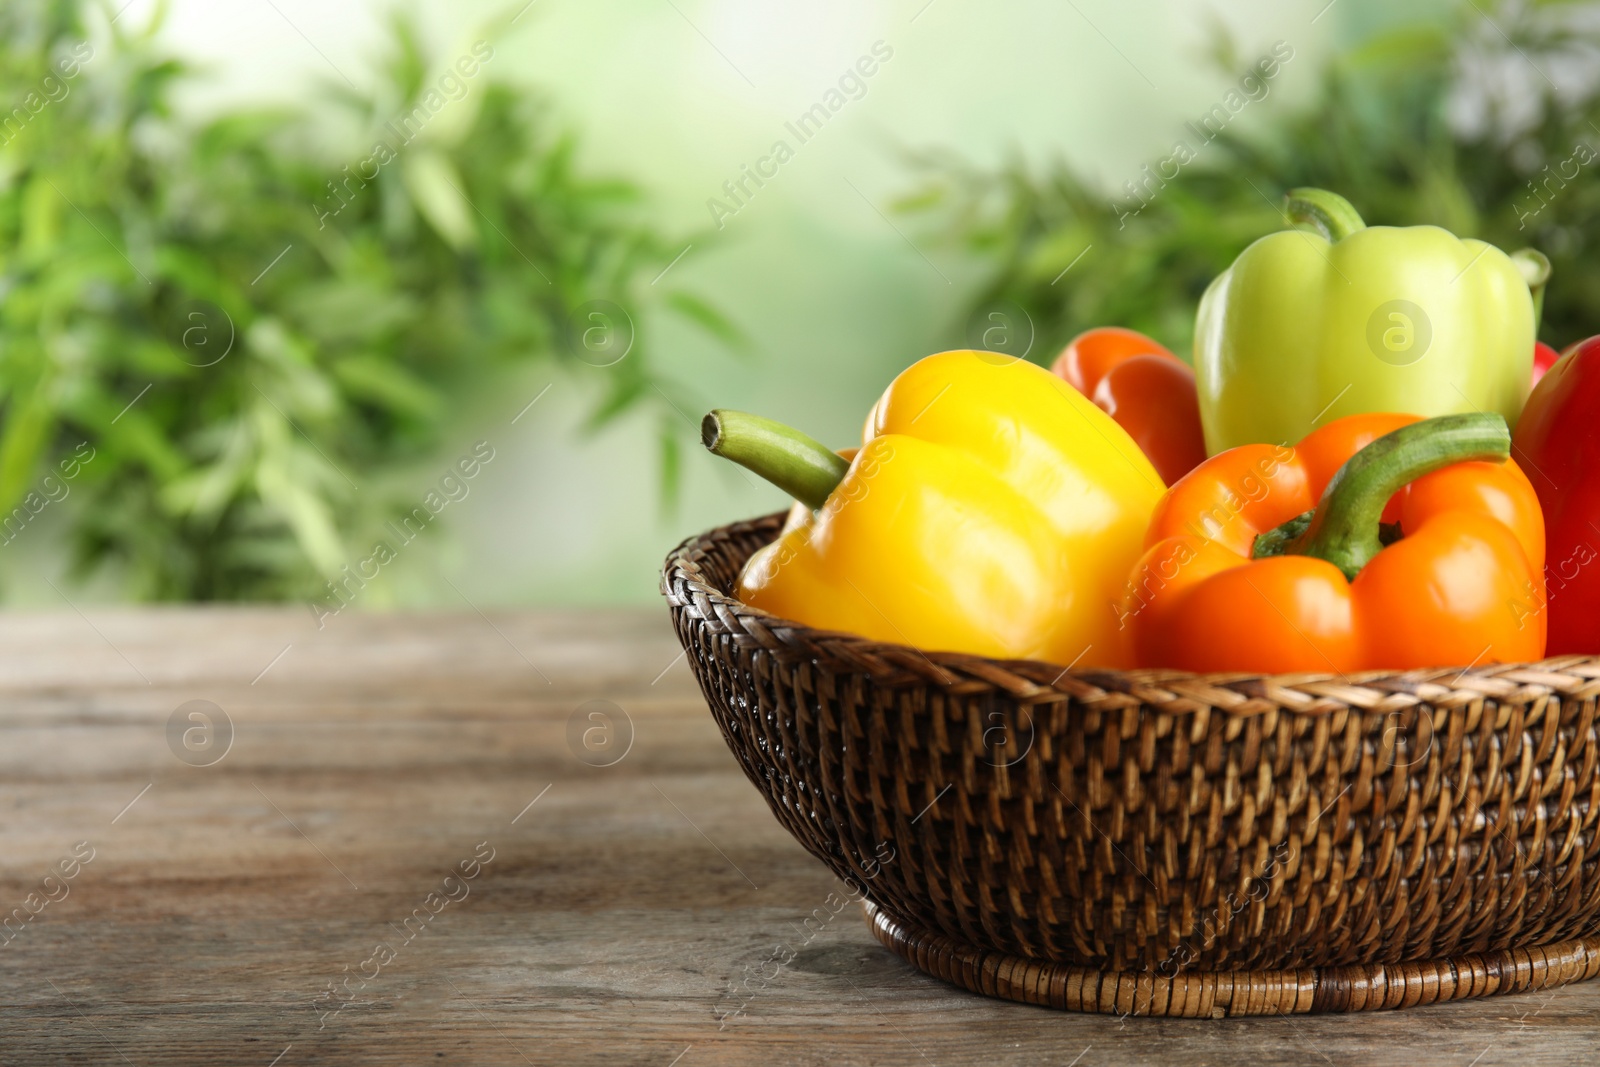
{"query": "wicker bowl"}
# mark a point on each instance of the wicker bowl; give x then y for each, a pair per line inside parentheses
(1162, 843)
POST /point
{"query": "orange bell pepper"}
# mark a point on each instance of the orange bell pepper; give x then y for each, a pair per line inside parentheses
(1378, 542)
(1145, 389)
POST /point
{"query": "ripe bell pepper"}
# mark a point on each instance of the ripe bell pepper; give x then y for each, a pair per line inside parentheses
(1277, 559)
(992, 509)
(1544, 357)
(1145, 388)
(1559, 443)
(1353, 318)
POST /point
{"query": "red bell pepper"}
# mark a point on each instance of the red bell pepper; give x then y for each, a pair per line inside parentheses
(1557, 442)
(1544, 357)
(1145, 389)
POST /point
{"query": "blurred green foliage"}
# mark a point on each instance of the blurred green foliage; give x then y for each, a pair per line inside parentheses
(251, 340)
(1459, 123)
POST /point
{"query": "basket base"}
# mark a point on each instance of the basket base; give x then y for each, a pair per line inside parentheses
(1215, 994)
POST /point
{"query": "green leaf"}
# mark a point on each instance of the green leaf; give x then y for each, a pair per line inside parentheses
(437, 191)
(625, 393)
(29, 424)
(709, 319)
(307, 514)
(371, 378)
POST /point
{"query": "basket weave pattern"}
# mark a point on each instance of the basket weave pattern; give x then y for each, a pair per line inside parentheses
(1155, 824)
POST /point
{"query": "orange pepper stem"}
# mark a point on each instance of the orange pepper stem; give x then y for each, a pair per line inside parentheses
(804, 468)
(1345, 527)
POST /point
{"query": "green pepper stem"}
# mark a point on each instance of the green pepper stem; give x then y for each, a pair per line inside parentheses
(1345, 527)
(1327, 213)
(1535, 268)
(804, 468)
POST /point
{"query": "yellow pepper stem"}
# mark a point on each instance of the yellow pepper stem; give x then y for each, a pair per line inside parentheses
(1327, 213)
(804, 468)
(1535, 268)
(1345, 527)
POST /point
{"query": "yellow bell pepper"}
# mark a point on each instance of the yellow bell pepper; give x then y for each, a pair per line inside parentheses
(991, 509)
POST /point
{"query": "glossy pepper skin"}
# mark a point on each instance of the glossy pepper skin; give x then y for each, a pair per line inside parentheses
(1558, 441)
(992, 509)
(1544, 357)
(1462, 585)
(1145, 388)
(1352, 318)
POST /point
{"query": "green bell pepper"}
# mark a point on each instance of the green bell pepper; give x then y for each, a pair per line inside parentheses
(1335, 318)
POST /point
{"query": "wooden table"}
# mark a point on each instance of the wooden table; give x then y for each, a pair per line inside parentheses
(616, 914)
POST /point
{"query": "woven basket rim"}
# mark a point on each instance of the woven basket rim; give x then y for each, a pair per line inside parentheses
(686, 585)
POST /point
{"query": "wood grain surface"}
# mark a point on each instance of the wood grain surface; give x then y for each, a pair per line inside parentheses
(305, 898)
